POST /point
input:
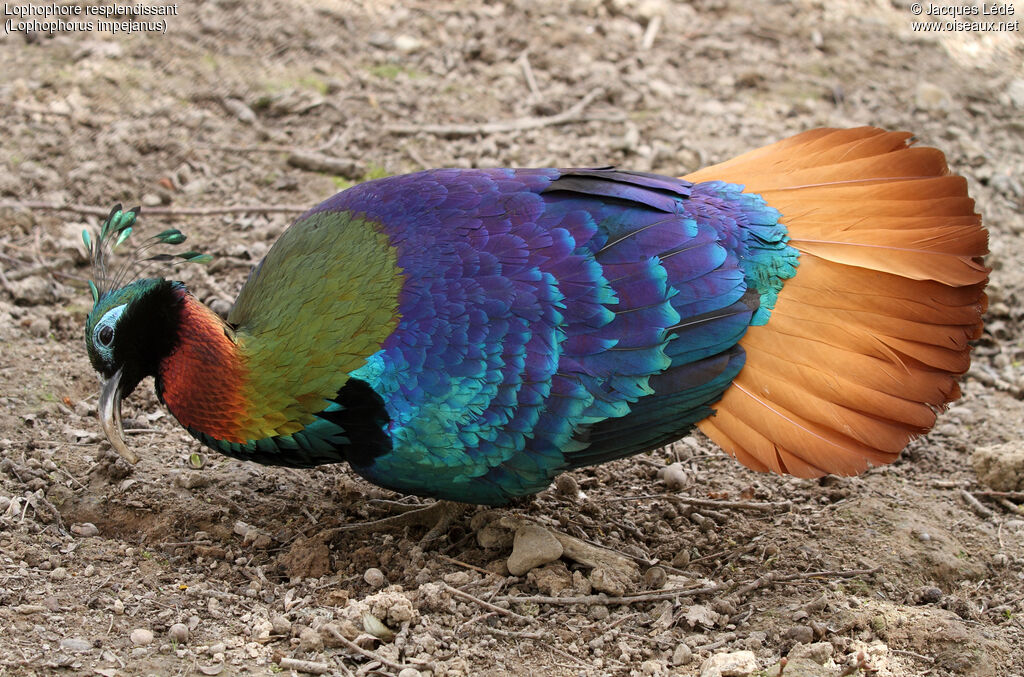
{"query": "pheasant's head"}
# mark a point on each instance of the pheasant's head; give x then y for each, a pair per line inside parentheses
(127, 333)
(132, 325)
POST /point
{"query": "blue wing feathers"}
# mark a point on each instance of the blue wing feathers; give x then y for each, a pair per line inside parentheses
(551, 319)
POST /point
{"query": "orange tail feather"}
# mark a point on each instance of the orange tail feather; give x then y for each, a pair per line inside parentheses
(866, 342)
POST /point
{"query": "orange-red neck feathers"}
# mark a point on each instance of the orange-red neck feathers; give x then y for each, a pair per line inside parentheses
(202, 377)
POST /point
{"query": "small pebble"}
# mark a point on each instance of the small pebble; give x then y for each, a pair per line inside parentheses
(494, 538)
(655, 578)
(39, 327)
(118, 607)
(931, 97)
(611, 580)
(651, 667)
(755, 640)
(178, 633)
(682, 655)
(682, 558)
(281, 625)
(725, 607)
(89, 571)
(141, 637)
(532, 547)
(674, 476)
(819, 652)
(599, 612)
(59, 574)
(310, 640)
(567, 486)
(729, 664)
(929, 595)
(409, 672)
(375, 578)
(217, 648)
(407, 43)
(801, 633)
(76, 644)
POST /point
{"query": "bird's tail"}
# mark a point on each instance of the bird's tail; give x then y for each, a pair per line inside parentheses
(865, 343)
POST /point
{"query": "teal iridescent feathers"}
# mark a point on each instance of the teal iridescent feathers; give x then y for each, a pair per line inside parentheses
(114, 232)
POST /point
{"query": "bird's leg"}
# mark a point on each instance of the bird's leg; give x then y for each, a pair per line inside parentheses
(439, 516)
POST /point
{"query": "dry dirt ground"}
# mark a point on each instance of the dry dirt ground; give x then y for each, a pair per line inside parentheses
(232, 568)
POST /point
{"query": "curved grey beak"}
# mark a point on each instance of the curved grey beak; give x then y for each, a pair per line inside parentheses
(110, 417)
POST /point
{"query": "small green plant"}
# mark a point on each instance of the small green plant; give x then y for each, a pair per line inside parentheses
(388, 71)
(375, 172)
(314, 83)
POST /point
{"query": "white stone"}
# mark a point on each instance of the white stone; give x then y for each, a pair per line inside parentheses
(735, 664)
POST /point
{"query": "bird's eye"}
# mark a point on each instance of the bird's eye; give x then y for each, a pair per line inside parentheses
(103, 332)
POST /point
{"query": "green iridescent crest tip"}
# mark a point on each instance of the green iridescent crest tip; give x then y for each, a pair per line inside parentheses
(171, 236)
(115, 231)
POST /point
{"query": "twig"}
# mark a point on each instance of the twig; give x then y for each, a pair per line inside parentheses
(397, 667)
(674, 593)
(520, 634)
(475, 619)
(37, 269)
(904, 652)
(5, 283)
(472, 567)
(162, 211)
(486, 605)
(531, 81)
(710, 503)
(40, 111)
(949, 484)
(318, 162)
(1008, 495)
(711, 646)
(1009, 505)
(246, 149)
(976, 505)
(180, 544)
(578, 663)
(100, 586)
(311, 667)
(651, 33)
(572, 114)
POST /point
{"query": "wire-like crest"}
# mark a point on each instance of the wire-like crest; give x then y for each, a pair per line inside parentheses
(113, 233)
